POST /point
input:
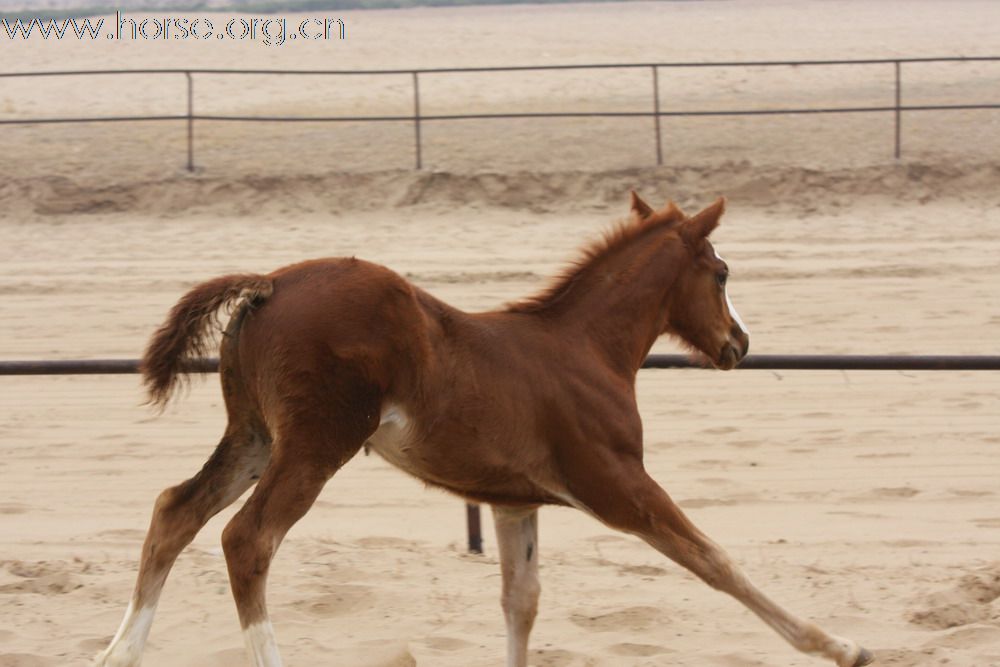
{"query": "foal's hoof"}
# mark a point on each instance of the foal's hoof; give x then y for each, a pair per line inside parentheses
(865, 657)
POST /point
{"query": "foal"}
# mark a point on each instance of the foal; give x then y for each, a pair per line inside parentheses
(521, 407)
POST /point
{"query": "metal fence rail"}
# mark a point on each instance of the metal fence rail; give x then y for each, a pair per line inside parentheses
(416, 118)
(773, 362)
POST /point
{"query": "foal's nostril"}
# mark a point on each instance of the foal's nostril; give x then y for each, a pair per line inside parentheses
(742, 340)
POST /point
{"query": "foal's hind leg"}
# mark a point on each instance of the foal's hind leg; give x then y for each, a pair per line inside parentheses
(178, 515)
(301, 464)
(517, 540)
(625, 497)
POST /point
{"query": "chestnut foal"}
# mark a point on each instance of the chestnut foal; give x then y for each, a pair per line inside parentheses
(530, 405)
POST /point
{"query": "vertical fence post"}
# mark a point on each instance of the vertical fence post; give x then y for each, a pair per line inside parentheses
(190, 121)
(416, 118)
(656, 114)
(474, 523)
(899, 96)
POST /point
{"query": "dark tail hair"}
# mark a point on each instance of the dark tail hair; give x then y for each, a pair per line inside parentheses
(186, 333)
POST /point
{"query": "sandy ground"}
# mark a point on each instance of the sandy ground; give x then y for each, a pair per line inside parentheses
(866, 501)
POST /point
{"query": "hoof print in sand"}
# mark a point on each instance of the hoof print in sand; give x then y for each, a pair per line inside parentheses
(631, 618)
(41, 578)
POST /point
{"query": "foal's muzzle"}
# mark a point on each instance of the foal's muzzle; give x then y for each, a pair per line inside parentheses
(734, 349)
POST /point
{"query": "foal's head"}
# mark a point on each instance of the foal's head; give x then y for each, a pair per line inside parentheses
(700, 312)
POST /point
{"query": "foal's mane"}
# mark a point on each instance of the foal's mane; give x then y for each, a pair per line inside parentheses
(634, 228)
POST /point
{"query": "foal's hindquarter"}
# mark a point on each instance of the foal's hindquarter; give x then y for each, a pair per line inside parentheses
(517, 408)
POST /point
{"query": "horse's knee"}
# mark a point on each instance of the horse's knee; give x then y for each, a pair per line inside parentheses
(718, 570)
(520, 599)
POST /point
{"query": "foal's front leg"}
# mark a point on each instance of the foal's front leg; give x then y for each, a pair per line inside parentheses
(517, 540)
(625, 497)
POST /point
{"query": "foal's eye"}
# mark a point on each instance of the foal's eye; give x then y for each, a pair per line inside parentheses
(721, 279)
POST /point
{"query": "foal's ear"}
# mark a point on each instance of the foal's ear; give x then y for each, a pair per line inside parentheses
(697, 228)
(639, 207)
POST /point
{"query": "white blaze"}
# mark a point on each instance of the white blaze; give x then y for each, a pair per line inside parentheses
(729, 304)
(736, 316)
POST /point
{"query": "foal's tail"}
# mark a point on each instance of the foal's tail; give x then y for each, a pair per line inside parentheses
(186, 333)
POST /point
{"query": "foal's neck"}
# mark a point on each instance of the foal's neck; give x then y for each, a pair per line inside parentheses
(615, 300)
(623, 309)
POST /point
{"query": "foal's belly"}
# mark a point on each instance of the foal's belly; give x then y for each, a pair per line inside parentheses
(449, 465)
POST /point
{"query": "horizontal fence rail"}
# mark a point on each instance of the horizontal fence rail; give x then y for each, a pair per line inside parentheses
(766, 362)
(416, 117)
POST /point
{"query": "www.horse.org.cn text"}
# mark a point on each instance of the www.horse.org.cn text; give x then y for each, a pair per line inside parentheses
(271, 31)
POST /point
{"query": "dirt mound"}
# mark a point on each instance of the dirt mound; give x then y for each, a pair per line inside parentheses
(975, 599)
(802, 189)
